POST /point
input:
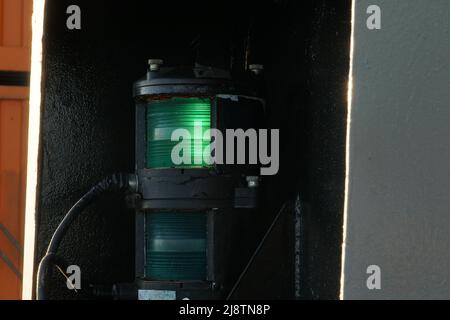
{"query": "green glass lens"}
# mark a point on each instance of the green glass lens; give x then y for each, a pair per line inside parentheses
(166, 116)
(175, 246)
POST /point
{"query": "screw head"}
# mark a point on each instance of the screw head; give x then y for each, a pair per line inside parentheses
(256, 68)
(252, 181)
(155, 64)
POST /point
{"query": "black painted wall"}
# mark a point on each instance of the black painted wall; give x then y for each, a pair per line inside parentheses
(87, 128)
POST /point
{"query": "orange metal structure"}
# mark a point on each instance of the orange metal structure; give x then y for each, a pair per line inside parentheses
(15, 53)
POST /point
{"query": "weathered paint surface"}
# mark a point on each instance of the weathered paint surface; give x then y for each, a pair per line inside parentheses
(15, 42)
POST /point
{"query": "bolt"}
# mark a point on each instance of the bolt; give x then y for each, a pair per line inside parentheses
(252, 181)
(256, 69)
(155, 64)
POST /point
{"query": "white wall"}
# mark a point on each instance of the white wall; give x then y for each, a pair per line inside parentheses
(398, 213)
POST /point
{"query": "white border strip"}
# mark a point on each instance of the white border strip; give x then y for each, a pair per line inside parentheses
(34, 123)
(347, 153)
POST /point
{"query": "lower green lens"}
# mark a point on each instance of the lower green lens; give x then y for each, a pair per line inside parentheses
(175, 246)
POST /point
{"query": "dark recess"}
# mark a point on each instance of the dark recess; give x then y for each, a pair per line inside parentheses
(87, 130)
(14, 78)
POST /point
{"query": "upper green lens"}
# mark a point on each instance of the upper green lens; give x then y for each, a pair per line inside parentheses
(166, 116)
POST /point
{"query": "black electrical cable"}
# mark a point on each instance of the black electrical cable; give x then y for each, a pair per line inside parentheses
(115, 182)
